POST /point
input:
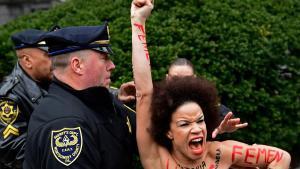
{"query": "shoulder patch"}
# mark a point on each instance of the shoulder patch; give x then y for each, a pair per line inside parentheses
(66, 144)
(9, 112)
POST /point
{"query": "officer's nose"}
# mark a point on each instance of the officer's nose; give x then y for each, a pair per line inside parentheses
(111, 66)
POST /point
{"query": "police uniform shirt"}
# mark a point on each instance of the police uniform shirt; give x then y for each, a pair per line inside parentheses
(78, 129)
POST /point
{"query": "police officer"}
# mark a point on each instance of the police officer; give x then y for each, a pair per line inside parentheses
(20, 92)
(79, 124)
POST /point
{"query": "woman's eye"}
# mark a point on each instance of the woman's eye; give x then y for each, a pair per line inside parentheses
(182, 124)
(200, 120)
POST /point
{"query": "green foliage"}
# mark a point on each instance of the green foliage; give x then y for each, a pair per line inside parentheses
(250, 48)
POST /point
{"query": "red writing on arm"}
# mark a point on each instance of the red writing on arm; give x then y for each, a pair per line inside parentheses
(274, 155)
(146, 50)
(147, 55)
(142, 38)
(278, 157)
(263, 152)
(140, 27)
(235, 151)
(250, 154)
(271, 153)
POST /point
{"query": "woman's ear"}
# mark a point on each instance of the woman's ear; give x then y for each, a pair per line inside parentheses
(170, 135)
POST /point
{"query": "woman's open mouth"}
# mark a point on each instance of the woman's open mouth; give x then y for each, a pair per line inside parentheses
(196, 145)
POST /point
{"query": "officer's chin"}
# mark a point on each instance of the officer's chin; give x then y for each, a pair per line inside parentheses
(106, 85)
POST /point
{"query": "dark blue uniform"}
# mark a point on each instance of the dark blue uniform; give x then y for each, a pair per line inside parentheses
(79, 129)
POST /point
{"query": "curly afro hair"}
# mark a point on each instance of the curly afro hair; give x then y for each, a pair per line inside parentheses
(168, 95)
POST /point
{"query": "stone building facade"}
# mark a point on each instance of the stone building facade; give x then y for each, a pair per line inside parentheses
(11, 9)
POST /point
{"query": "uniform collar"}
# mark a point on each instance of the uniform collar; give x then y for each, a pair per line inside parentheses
(33, 89)
(95, 98)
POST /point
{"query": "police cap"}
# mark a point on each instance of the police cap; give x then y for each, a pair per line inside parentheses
(74, 38)
(29, 38)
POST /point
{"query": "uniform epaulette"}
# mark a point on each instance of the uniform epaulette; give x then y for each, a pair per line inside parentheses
(8, 84)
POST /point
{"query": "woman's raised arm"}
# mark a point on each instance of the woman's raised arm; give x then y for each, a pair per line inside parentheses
(140, 11)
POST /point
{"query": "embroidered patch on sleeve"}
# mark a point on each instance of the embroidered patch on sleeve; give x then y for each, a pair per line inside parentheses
(66, 144)
(9, 112)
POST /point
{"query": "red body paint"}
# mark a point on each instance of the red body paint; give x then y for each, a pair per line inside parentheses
(234, 151)
(278, 156)
(271, 153)
(142, 38)
(249, 155)
(252, 155)
(263, 152)
(140, 27)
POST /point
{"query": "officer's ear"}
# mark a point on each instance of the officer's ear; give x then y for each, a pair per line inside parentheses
(76, 65)
(28, 61)
(25, 60)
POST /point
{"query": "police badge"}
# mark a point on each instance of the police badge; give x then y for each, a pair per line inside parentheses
(9, 111)
(66, 144)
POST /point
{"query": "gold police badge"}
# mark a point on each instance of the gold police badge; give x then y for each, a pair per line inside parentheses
(9, 111)
(66, 144)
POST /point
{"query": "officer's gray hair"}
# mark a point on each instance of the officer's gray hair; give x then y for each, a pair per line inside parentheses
(63, 60)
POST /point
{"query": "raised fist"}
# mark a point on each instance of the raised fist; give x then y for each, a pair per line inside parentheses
(139, 3)
(141, 9)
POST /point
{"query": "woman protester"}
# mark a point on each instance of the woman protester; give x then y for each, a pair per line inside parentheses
(175, 116)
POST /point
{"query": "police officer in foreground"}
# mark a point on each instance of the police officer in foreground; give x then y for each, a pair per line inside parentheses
(20, 92)
(79, 123)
